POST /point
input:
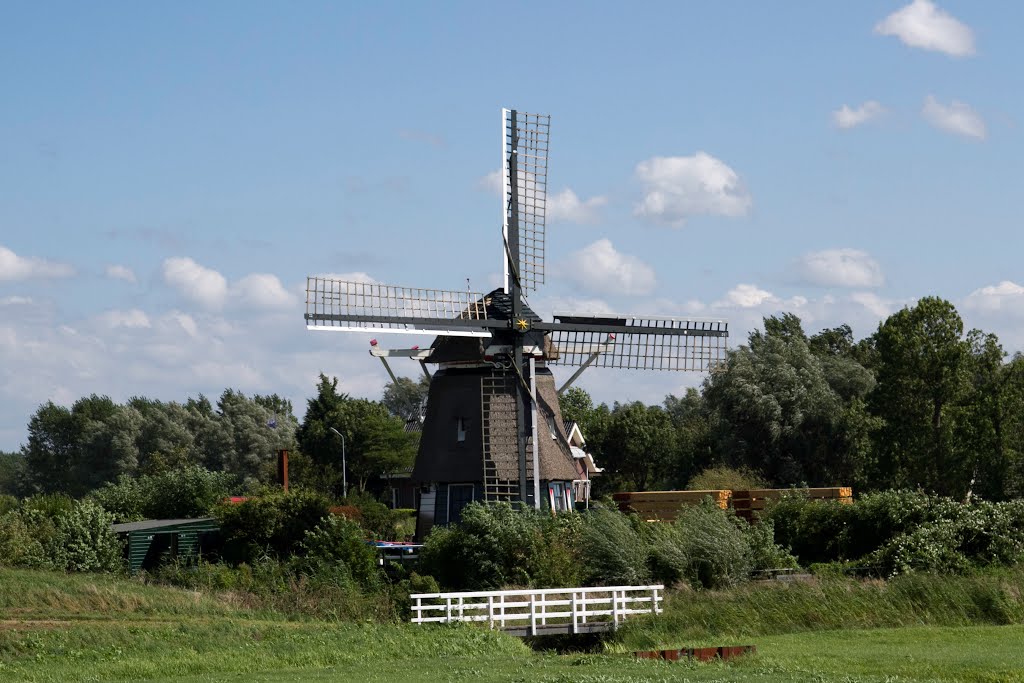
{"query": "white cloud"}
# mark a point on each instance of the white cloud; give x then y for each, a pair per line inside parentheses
(490, 183)
(957, 117)
(845, 117)
(745, 296)
(676, 188)
(203, 285)
(874, 304)
(1006, 297)
(118, 272)
(14, 267)
(15, 301)
(262, 290)
(566, 206)
(600, 268)
(922, 24)
(840, 268)
(132, 318)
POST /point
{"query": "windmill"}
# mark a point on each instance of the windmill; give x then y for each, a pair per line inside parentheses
(493, 395)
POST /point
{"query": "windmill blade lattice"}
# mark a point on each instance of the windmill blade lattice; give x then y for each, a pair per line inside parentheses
(352, 306)
(525, 154)
(637, 343)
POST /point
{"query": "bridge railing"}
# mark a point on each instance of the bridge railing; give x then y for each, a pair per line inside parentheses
(554, 610)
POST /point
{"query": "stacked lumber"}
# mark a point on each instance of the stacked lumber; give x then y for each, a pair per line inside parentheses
(665, 505)
(745, 502)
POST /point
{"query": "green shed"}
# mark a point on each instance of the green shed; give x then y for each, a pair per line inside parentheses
(153, 540)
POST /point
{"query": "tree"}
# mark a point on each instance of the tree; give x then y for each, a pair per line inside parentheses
(781, 409)
(695, 449)
(405, 398)
(639, 446)
(258, 428)
(923, 373)
(375, 441)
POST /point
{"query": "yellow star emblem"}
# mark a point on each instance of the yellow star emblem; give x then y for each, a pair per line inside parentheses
(522, 324)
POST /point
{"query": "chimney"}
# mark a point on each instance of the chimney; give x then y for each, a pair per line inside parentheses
(282, 469)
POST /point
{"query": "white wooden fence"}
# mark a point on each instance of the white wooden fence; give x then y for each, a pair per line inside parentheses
(532, 612)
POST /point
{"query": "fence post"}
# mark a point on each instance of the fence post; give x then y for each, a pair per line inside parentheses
(533, 614)
(654, 601)
(448, 610)
(574, 612)
(615, 610)
(543, 609)
(490, 611)
(419, 610)
(461, 614)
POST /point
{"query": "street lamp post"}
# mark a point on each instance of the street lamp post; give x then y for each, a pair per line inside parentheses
(344, 476)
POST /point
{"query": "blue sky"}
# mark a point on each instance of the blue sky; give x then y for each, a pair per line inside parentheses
(171, 173)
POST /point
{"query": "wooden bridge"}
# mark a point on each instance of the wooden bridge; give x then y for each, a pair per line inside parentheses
(541, 611)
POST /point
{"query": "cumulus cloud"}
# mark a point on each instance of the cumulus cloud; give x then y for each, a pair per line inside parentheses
(745, 296)
(14, 267)
(874, 304)
(921, 24)
(566, 206)
(131, 318)
(676, 188)
(1006, 297)
(262, 290)
(840, 268)
(957, 117)
(600, 268)
(197, 283)
(118, 272)
(846, 117)
(15, 301)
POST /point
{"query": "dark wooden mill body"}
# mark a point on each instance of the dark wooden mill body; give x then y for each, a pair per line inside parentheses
(493, 430)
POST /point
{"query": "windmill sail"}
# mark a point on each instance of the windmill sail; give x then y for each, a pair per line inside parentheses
(525, 182)
(347, 306)
(648, 343)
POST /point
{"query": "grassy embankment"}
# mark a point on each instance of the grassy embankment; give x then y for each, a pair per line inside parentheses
(93, 628)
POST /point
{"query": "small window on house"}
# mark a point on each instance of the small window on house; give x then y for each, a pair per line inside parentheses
(551, 427)
(460, 429)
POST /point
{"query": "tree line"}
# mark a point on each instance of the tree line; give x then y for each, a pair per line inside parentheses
(918, 404)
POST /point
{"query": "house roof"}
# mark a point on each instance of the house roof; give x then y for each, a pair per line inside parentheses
(149, 524)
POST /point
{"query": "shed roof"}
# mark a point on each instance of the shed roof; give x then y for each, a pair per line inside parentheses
(149, 524)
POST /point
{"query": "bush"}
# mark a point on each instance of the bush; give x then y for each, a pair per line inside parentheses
(188, 492)
(895, 532)
(24, 539)
(83, 540)
(271, 526)
(76, 537)
(721, 477)
(7, 503)
(615, 551)
(377, 519)
(496, 546)
(337, 545)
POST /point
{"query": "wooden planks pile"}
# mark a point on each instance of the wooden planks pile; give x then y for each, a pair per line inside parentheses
(747, 501)
(665, 505)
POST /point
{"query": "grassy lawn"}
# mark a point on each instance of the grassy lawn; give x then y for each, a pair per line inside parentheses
(87, 628)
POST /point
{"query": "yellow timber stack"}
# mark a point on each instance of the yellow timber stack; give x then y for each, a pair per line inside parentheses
(665, 505)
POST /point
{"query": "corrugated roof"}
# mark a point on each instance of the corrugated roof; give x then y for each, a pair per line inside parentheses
(148, 524)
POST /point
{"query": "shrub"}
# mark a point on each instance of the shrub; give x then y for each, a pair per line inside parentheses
(190, 491)
(721, 477)
(24, 539)
(83, 540)
(715, 545)
(269, 526)
(497, 546)
(377, 519)
(615, 551)
(7, 503)
(337, 545)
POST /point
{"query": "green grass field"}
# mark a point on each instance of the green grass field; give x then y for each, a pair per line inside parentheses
(88, 628)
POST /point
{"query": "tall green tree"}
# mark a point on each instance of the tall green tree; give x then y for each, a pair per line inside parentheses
(374, 441)
(923, 372)
(639, 447)
(788, 409)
